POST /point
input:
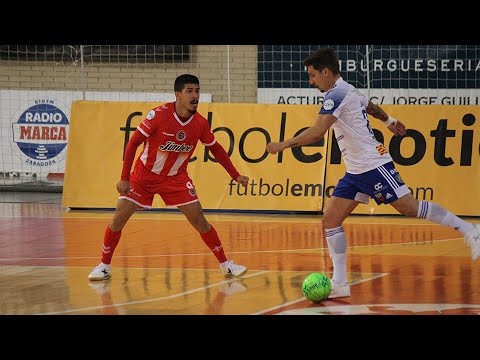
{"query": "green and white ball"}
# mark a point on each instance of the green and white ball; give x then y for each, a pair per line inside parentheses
(316, 287)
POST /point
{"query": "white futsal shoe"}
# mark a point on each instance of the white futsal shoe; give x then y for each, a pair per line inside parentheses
(230, 269)
(100, 272)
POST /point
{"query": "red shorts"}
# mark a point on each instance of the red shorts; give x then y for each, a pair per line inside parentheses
(175, 190)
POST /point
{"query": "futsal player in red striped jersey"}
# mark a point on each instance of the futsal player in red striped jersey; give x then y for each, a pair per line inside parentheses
(170, 134)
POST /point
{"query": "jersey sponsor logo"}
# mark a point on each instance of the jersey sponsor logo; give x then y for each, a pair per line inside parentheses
(174, 147)
(150, 115)
(167, 134)
(328, 104)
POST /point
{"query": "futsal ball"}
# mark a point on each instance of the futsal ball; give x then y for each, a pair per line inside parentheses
(316, 287)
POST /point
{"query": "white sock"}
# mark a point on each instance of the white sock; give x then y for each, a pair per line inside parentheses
(437, 214)
(337, 247)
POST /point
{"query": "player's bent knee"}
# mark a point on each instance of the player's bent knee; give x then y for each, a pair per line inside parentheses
(117, 224)
(202, 227)
(330, 223)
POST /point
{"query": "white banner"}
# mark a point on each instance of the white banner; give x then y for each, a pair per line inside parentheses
(34, 125)
(312, 96)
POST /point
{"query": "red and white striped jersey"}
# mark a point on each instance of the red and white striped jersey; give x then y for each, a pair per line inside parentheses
(170, 142)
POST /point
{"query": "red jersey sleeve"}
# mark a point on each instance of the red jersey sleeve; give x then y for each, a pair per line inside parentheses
(207, 138)
(222, 157)
(148, 126)
(130, 151)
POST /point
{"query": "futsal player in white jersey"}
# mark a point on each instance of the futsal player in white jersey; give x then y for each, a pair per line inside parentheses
(370, 170)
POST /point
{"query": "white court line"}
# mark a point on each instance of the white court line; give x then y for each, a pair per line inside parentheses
(262, 312)
(149, 300)
(230, 252)
(182, 218)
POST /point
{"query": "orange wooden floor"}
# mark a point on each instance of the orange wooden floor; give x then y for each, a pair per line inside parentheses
(396, 265)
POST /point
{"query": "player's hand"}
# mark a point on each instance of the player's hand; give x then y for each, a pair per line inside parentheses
(275, 147)
(123, 187)
(398, 128)
(243, 180)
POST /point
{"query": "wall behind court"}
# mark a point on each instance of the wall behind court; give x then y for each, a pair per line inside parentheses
(228, 81)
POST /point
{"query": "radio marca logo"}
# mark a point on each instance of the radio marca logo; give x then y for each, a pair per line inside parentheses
(41, 132)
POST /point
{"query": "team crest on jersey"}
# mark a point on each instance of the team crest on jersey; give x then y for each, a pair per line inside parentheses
(328, 104)
(181, 135)
(379, 197)
(191, 188)
(381, 149)
(151, 115)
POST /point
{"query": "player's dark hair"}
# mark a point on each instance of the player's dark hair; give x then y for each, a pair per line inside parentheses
(184, 79)
(323, 58)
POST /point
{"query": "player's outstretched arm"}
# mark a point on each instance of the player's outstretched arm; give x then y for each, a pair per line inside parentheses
(306, 137)
(223, 159)
(394, 125)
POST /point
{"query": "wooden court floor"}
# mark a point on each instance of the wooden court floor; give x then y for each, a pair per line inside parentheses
(396, 265)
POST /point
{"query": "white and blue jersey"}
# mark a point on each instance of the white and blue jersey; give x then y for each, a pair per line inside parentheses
(370, 169)
(360, 150)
